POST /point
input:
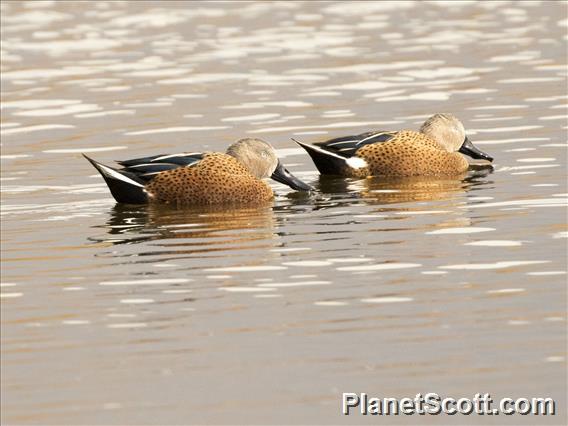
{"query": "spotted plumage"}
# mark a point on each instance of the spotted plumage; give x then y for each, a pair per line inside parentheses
(434, 151)
(218, 178)
(234, 177)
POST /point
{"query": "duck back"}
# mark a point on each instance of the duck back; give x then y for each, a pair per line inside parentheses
(410, 153)
(217, 179)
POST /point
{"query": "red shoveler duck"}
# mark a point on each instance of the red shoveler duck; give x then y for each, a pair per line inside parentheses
(435, 150)
(234, 177)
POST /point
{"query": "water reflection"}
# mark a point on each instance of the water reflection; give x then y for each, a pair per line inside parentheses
(201, 226)
(334, 211)
(388, 190)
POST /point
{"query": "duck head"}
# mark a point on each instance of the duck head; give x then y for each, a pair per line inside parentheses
(261, 161)
(447, 130)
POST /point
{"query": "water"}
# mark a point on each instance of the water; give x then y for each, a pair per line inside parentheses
(149, 315)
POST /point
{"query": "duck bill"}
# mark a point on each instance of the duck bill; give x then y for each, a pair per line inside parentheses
(282, 175)
(474, 152)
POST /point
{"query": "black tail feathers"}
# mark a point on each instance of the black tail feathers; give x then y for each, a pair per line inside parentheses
(327, 163)
(124, 186)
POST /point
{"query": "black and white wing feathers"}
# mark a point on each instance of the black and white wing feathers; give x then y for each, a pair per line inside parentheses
(127, 185)
(147, 167)
(346, 146)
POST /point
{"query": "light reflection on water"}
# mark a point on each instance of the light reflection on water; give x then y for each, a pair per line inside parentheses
(119, 314)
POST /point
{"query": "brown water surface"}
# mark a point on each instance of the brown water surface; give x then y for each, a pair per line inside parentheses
(148, 315)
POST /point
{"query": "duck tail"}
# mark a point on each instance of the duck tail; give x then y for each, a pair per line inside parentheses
(330, 163)
(124, 186)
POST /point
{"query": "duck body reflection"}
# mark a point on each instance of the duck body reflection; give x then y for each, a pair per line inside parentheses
(407, 189)
(199, 230)
(201, 227)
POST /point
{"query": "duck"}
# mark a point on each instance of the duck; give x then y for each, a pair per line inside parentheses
(435, 150)
(195, 178)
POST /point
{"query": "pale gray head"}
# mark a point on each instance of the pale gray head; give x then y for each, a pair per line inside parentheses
(256, 155)
(445, 129)
(261, 161)
(448, 131)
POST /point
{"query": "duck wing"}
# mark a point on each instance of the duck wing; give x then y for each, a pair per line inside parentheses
(145, 168)
(346, 146)
(127, 185)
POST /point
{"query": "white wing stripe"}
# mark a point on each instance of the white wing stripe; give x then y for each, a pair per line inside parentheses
(149, 164)
(368, 137)
(183, 154)
(340, 142)
(353, 162)
(374, 135)
(116, 175)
